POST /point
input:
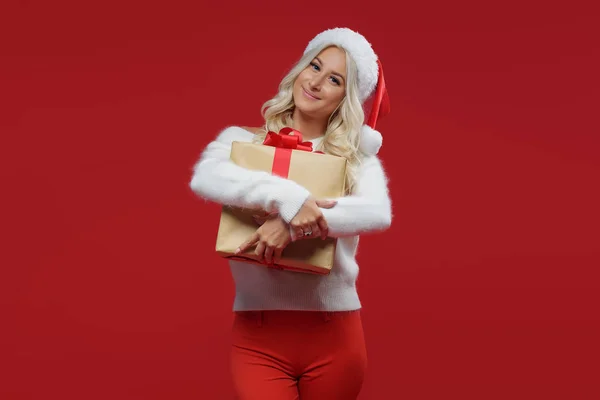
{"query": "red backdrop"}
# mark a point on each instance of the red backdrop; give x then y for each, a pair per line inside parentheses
(486, 286)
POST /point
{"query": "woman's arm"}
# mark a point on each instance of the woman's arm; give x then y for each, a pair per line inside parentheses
(368, 209)
(217, 178)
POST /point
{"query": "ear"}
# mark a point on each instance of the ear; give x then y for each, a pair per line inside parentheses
(370, 141)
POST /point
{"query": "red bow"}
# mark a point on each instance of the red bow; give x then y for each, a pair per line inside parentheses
(287, 138)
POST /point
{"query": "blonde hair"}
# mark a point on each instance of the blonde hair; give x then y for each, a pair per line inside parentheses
(343, 128)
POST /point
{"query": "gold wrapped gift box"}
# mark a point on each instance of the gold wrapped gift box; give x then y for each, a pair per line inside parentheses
(321, 174)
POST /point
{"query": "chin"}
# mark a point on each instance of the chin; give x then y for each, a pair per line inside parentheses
(307, 107)
(301, 105)
(311, 111)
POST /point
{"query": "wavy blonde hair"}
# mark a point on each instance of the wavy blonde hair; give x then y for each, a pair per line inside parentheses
(343, 128)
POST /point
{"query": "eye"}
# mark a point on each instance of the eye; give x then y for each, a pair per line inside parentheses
(315, 66)
(335, 80)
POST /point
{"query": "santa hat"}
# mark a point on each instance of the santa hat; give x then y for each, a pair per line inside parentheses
(370, 78)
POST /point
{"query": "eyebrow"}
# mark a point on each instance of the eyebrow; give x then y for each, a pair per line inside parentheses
(334, 73)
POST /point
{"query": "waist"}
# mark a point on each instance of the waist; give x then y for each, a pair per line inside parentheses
(294, 317)
(260, 288)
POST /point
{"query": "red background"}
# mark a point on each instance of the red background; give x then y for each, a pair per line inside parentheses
(486, 286)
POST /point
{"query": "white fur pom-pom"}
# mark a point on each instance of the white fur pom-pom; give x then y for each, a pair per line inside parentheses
(370, 141)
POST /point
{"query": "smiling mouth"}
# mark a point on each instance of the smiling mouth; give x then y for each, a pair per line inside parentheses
(310, 95)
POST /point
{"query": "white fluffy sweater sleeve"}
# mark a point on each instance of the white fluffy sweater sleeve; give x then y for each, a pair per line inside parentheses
(217, 178)
(368, 209)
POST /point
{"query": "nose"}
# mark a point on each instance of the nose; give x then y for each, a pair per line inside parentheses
(315, 82)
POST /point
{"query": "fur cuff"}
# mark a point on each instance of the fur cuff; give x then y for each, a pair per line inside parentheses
(370, 141)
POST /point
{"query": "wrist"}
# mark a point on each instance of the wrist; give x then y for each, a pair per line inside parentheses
(291, 203)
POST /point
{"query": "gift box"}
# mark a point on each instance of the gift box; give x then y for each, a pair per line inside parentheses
(284, 154)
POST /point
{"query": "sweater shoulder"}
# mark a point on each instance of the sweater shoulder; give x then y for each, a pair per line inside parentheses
(369, 162)
(234, 133)
(371, 168)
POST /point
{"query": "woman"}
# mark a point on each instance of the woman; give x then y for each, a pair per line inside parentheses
(300, 335)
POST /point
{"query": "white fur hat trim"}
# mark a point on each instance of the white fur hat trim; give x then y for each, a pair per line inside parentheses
(361, 52)
(370, 141)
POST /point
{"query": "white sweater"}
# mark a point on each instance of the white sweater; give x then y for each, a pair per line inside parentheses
(258, 287)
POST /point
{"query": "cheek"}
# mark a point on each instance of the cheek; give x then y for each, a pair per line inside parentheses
(300, 80)
(336, 96)
(296, 88)
(301, 77)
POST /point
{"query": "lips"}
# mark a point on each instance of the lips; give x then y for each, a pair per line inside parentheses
(309, 95)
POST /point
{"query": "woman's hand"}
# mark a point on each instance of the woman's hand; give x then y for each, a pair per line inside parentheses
(263, 217)
(270, 240)
(309, 222)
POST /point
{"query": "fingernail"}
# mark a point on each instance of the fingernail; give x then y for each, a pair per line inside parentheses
(237, 251)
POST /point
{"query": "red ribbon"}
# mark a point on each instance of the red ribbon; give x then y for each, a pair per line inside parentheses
(287, 138)
(285, 141)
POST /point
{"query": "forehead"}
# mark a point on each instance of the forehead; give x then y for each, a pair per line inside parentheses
(334, 58)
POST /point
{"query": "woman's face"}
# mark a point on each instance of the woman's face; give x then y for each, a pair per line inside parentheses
(321, 86)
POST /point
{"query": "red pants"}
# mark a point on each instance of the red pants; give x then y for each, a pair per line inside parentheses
(290, 355)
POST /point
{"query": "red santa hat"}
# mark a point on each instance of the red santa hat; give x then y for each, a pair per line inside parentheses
(370, 78)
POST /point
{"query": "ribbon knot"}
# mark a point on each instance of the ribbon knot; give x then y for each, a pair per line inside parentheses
(287, 138)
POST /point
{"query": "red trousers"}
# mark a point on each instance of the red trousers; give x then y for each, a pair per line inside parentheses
(291, 355)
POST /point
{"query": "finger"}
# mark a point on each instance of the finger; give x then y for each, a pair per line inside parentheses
(269, 255)
(293, 235)
(324, 228)
(297, 228)
(260, 251)
(277, 255)
(305, 230)
(247, 244)
(316, 231)
(326, 203)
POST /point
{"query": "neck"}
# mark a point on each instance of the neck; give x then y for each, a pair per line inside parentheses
(311, 128)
